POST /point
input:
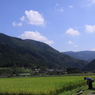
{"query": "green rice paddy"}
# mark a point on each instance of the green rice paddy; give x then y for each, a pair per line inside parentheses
(39, 85)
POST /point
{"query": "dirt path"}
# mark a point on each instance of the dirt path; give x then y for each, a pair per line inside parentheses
(92, 92)
(85, 90)
(89, 92)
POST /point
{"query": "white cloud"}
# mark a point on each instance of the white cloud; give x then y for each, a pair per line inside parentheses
(91, 2)
(35, 36)
(17, 24)
(90, 28)
(33, 17)
(70, 42)
(72, 32)
(23, 18)
(60, 9)
(75, 45)
(57, 4)
(49, 42)
(71, 6)
(93, 49)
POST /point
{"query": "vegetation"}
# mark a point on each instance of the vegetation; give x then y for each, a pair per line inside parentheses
(90, 67)
(15, 72)
(28, 57)
(72, 70)
(39, 85)
(33, 54)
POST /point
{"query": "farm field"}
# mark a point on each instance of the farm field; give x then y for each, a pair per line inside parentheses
(40, 85)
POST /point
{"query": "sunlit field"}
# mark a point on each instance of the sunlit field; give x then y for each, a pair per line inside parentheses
(39, 85)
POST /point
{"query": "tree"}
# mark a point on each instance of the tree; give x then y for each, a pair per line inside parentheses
(72, 70)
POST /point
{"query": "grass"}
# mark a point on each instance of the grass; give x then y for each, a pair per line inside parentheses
(74, 91)
(39, 85)
(83, 88)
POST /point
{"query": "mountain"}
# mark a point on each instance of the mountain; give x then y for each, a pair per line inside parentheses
(30, 53)
(82, 55)
(90, 66)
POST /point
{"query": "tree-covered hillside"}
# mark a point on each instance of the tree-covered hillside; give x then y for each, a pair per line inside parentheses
(30, 53)
(90, 66)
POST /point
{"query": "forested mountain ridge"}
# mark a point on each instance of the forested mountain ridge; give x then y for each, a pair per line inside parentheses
(82, 55)
(30, 53)
(90, 66)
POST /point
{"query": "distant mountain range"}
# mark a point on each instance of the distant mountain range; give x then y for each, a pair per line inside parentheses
(31, 54)
(82, 55)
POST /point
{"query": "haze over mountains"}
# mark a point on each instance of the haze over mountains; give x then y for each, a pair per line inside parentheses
(30, 53)
(82, 55)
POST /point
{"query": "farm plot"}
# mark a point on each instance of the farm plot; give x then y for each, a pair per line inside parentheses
(39, 85)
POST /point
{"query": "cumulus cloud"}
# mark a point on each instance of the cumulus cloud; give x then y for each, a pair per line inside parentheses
(70, 42)
(72, 32)
(57, 4)
(48, 42)
(91, 2)
(60, 9)
(16, 24)
(71, 6)
(75, 45)
(33, 17)
(93, 49)
(35, 36)
(22, 18)
(90, 28)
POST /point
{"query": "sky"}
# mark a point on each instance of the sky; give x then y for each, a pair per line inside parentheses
(65, 25)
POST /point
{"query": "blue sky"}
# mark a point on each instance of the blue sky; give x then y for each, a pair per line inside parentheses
(66, 25)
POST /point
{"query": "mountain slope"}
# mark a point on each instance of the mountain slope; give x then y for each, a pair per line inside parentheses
(90, 66)
(82, 55)
(10, 57)
(29, 53)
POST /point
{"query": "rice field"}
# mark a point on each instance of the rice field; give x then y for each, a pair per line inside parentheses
(39, 85)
